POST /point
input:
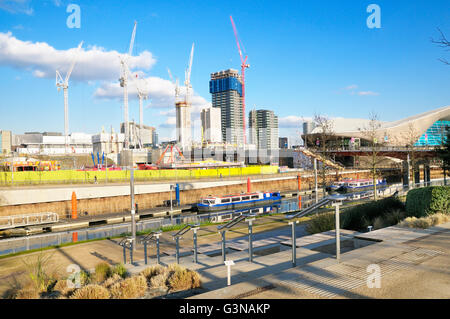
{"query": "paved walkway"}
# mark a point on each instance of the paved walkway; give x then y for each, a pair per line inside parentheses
(320, 276)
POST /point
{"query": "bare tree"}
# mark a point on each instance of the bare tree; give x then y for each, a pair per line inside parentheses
(410, 137)
(443, 43)
(325, 134)
(373, 135)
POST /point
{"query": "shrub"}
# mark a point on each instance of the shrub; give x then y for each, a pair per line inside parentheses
(424, 222)
(62, 288)
(85, 278)
(102, 272)
(320, 223)
(361, 216)
(120, 270)
(38, 273)
(390, 218)
(112, 280)
(152, 271)
(130, 288)
(91, 292)
(160, 280)
(27, 293)
(183, 279)
(425, 201)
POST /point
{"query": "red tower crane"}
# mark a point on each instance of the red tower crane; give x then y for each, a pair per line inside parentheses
(244, 65)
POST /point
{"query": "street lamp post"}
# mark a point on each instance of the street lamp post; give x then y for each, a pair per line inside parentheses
(133, 209)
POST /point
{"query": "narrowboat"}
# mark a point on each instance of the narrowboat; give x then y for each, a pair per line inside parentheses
(360, 185)
(214, 203)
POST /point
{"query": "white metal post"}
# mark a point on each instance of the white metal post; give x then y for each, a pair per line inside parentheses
(338, 237)
(315, 179)
(229, 263)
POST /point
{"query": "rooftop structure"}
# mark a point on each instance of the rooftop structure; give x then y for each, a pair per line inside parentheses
(429, 128)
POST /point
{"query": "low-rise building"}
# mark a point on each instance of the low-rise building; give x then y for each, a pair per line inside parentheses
(50, 143)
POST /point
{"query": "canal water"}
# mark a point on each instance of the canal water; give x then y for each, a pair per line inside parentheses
(17, 244)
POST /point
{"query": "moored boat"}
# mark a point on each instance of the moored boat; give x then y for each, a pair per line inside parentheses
(213, 203)
(359, 185)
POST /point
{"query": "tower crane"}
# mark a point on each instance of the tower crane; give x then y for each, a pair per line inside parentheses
(187, 78)
(64, 84)
(142, 92)
(176, 84)
(244, 65)
(124, 83)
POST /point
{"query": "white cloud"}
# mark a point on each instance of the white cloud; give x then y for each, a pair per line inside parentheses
(292, 121)
(365, 93)
(93, 63)
(17, 6)
(351, 87)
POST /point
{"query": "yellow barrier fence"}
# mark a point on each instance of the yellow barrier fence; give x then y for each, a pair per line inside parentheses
(74, 176)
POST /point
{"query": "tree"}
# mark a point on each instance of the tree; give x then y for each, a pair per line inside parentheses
(443, 43)
(371, 132)
(411, 136)
(325, 134)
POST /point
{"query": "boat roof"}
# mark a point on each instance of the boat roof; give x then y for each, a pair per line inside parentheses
(233, 195)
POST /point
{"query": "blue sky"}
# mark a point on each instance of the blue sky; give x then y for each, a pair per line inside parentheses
(306, 57)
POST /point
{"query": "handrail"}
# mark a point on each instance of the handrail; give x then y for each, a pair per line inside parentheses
(149, 237)
(311, 208)
(232, 222)
(185, 229)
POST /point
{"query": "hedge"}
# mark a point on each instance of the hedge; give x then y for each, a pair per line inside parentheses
(361, 216)
(426, 201)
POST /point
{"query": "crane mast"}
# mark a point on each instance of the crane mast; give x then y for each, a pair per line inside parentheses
(64, 84)
(244, 65)
(124, 83)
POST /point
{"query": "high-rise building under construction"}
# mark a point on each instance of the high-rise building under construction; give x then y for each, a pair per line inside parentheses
(226, 89)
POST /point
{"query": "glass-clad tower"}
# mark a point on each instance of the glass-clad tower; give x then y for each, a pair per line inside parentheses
(226, 90)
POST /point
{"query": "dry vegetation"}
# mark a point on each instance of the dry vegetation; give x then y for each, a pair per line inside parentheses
(424, 222)
(173, 278)
(106, 282)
